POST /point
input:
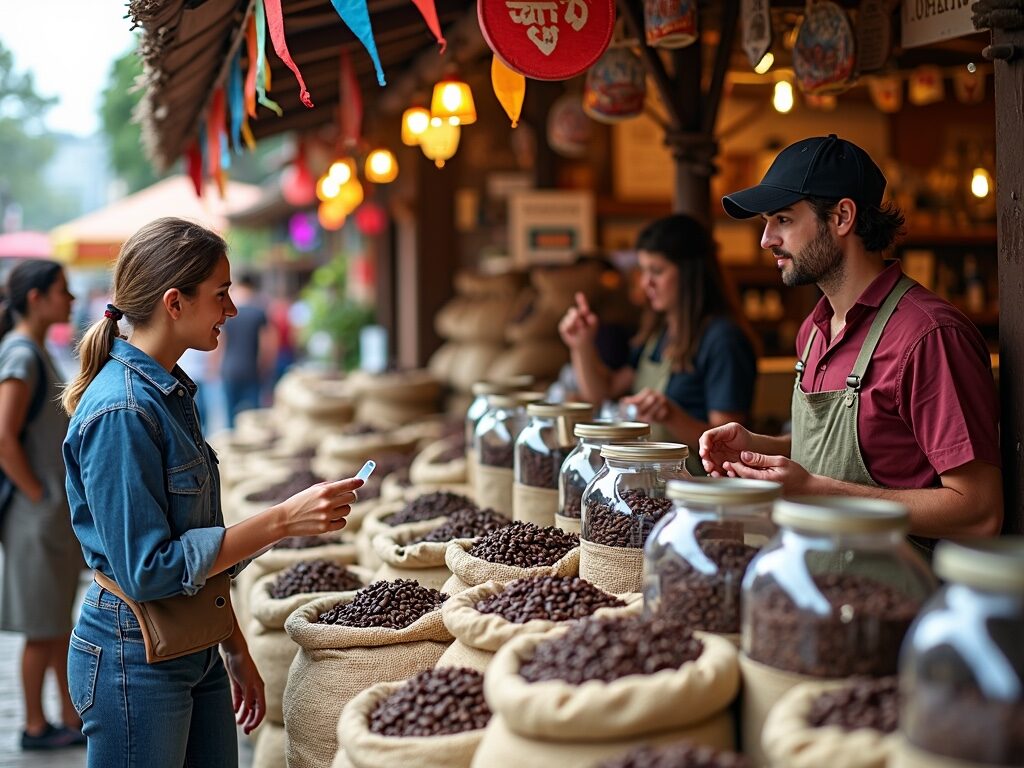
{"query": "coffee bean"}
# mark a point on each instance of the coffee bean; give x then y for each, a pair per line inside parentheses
(605, 524)
(467, 524)
(551, 598)
(540, 470)
(525, 545)
(307, 542)
(864, 703)
(278, 492)
(429, 506)
(497, 455)
(612, 647)
(575, 484)
(388, 604)
(683, 755)
(437, 702)
(314, 576)
(861, 635)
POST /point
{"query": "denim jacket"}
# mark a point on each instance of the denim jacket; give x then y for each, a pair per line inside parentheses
(143, 485)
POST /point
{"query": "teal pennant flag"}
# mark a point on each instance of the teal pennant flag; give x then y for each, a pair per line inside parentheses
(356, 16)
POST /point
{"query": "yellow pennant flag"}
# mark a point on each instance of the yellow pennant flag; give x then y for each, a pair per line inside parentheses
(509, 87)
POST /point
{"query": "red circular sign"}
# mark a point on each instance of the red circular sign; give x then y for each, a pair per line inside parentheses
(547, 39)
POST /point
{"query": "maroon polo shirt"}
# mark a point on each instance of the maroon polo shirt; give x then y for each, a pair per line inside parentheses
(928, 402)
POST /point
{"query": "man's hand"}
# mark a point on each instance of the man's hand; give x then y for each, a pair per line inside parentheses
(652, 406)
(794, 478)
(247, 695)
(578, 328)
(721, 446)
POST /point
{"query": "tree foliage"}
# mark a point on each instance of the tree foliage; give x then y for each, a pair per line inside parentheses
(124, 137)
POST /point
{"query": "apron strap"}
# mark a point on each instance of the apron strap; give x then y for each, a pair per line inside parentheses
(853, 381)
(801, 364)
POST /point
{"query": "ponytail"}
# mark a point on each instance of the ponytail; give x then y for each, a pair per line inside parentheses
(93, 351)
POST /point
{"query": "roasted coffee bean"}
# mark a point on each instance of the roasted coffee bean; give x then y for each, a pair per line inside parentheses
(434, 703)
(429, 506)
(860, 636)
(683, 755)
(540, 470)
(609, 648)
(951, 717)
(525, 545)
(467, 524)
(314, 576)
(864, 703)
(613, 528)
(278, 492)
(573, 494)
(307, 542)
(497, 455)
(706, 601)
(388, 604)
(552, 598)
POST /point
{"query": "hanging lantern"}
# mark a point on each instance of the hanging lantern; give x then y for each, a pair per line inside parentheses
(782, 97)
(327, 188)
(371, 219)
(381, 167)
(342, 170)
(926, 86)
(415, 120)
(453, 101)
(440, 140)
(350, 196)
(509, 87)
(331, 215)
(670, 25)
(297, 183)
(616, 87)
(886, 92)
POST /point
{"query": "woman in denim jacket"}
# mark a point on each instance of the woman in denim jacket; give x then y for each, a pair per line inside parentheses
(144, 492)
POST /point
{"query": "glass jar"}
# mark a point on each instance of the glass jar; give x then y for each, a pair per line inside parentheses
(962, 666)
(627, 496)
(546, 440)
(834, 593)
(481, 390)
(584, 461)
(695, 559)
(496, 432)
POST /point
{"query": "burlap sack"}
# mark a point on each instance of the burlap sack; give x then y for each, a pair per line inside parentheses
(478, 284)
(541, 359)
(365, 749)
(568, 524)
(341, 760)
(906, 755)
(534, 505)
(789, 741)
(763, 686)
(270, 646)
(471, 467)
(473, 360)
(493, 487)
(474, 570)
(343, 455)
(441, 362)
(423, 561)
(269, 749)
(478, 636)
(373, 526)
(613, 569)
(426, 470)
(392, 487)
(454, 585)
(235, 501)
(335, 663)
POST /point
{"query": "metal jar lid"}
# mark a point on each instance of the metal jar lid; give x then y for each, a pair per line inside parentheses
(554, 410)
(840, 514)
(613, 430)
(992, 564)
(501, 400)
(723, 490)
(525, 398)
(646, 451)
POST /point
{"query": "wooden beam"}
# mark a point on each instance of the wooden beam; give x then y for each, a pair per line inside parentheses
(723, 54)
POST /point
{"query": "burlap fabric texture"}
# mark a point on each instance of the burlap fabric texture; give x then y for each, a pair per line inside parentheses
(374, 524)
(400, 559)
(613, 569)
(269, 749)
(493, 487)
(568, 524)
(906, 755)
(534, 505)
(334, 663)
(472, 570)
(427, 470)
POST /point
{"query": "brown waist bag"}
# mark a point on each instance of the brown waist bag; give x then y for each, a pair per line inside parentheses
(182, 624)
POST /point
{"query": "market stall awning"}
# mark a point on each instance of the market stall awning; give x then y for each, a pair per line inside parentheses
(25, 245)
(94, 239)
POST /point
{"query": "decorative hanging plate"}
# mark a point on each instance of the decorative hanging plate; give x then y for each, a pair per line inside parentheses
(616, 87)
(824, 54)
(874, 35)
(547, 39)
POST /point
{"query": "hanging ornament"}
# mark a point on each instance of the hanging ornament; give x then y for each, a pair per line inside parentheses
(351, 195)
(756, 18)
(371, 219)
(350, 102)
(886, 92)
(429, 14)
(275, 20)
(331, 215)
(925, 86)
(824, 55)
(509, 87)
(357, 18)
(214, 131)
(968, 86)
(568, 127)
(297, 183)
(381, 167)
(874, 35)
(262, 65)
(547, 40)
(670, 24)
(440, 140)
(251, 52)
(616, 87)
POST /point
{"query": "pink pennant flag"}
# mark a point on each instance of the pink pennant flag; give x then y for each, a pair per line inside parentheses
(429, 13)
(275, 20)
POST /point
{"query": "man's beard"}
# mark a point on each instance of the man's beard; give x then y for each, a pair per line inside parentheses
(819, 262)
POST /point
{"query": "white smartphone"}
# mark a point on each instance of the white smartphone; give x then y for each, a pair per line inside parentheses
(367, 470)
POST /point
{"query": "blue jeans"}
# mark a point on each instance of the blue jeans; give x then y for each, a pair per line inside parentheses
(168, 715)
(241, 396)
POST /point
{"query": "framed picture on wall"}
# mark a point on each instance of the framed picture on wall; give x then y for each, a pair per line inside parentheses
(550, 226)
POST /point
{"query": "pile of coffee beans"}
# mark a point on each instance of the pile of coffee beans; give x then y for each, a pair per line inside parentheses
(437, 702)
(683, 755)
(308, 542)
(497, 455)
(574, 487)
(706, 601)
(456, 450)
(278, 492)
(612, 647)
(864, 703)
(540, 470)
(525, 545)
(860, 636)
(552, 598)
(314, 576)
(429, 506)
(467, 524)
(388, 604)
(613, 528)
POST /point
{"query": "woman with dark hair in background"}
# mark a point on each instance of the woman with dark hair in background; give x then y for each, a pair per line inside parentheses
(693, 364)
(42, 558)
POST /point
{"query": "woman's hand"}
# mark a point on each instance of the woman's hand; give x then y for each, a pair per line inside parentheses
(321, 508)
(578, 328)
(247, 695)
(652, 406)
(721, 447)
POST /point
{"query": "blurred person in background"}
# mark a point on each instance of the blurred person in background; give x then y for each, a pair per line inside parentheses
(42, 559)
(249, 349)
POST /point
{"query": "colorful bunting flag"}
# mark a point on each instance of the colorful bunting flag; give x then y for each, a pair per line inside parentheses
(350, 102)
(509, 87)
(357, 18)
(429, 13)
(275, 19)
(250, 76)
(194, 164)
(262, 65)
(236, 100)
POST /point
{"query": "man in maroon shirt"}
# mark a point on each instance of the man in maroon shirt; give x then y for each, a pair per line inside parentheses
(894, 397)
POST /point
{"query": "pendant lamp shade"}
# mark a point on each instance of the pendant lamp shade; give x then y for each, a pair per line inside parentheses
(440, 141)
(453, 102)
(415, 120)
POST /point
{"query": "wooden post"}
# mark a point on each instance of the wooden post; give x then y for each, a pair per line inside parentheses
(1007, 52)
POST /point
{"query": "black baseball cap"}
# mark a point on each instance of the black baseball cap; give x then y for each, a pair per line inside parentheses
(822, 166)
